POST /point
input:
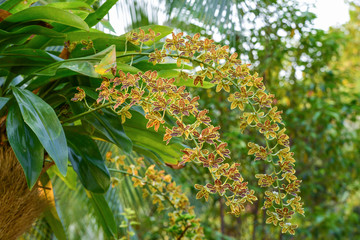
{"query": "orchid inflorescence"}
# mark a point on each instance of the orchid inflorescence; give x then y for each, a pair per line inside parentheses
(159, 96)
(162, 189)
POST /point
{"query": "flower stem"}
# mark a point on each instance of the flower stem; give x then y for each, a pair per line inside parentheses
(76, 117)
(138, 177)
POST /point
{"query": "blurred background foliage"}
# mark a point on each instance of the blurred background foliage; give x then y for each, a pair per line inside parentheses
(315, 75)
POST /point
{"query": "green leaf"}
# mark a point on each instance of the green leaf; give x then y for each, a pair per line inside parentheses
(50, 14)
(84, 65)
(81, 35)
(26, 61)
(333, 114)
(104, 214)
(28, 30)
(8, 62)
(180, 81)
(14, 41)
(190, 82)
(22, 5)
(70, 179)
(146, 65)
(81, 13)
(87, 162)
(35, 55)
(149, 141)
(109, 124)
(43, 80)
(26, 145)
(106, 24)
(52, 218)
(127, 68)
(50, 214)
(107, 63)
(8, 5)
(70, 5)
(99, 14)
(3, 101)
(101, 41)
(169, 73)
(42, 119)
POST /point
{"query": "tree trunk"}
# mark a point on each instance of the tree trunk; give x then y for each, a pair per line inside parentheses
(19, 207)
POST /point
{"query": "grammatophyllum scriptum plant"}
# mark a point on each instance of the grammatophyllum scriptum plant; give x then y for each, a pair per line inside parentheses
(160, 97)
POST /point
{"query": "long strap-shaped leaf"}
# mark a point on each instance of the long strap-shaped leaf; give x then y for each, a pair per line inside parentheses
(103, 214)
(41, 118)
(8, 5)
(28, 30)
(3, 102)
(25, 144)
(48, 14)
(87, 162)
(50, 214)
(110, 125)
(96, 16)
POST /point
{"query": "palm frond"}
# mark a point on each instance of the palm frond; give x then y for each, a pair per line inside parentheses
(40, 231)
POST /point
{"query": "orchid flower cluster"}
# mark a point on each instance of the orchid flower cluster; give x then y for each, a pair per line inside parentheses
(160, 96)
(160, 187)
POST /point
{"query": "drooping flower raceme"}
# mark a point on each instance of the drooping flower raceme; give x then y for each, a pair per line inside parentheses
(159, 97)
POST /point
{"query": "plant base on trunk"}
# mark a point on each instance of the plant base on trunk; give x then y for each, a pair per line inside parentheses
(19, 207)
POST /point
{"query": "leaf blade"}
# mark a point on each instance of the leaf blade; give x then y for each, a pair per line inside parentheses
(104, 214)
(147, 140)
(3, 101)
(96, 16)
(107, 63)
(46, 13)
(109, 124)
(42, 120)
(87, 162)
(25, 144)
(50, 214)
